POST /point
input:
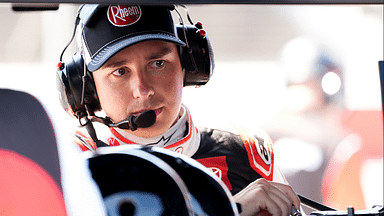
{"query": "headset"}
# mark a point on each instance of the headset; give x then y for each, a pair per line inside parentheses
(77, 91)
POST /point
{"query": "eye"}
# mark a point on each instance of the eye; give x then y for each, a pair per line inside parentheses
(119, 72)
(156, 66)
(158, 63)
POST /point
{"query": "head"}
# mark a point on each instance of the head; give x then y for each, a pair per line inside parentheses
(136, 59)
(145, 76)
(314, 75)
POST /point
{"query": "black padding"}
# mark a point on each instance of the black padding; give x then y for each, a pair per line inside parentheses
(115, 173)
(209, 193)
(26, 129)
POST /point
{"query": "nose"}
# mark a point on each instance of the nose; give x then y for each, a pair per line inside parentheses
(142, 86)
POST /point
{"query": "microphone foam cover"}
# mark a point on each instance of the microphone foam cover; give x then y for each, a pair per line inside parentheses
(145, 119)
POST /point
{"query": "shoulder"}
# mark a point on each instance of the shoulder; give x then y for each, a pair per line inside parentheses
(82, 138)
(257, 142)
(260, 151)
(217, 143)
(218, 136)
(256, 146)
(84, 141)
(220, 142)
(241, 137)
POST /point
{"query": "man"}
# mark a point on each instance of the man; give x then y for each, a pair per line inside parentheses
(135, 63)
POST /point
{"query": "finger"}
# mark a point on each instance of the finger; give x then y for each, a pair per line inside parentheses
(280, 194)
(270, 206)
(294, 199)
(255, 199)
(282, 202)
(277, 199)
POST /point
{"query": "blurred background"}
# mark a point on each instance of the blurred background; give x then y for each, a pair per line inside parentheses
(306, 74)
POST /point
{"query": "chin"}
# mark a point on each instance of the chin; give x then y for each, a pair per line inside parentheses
(153, 131)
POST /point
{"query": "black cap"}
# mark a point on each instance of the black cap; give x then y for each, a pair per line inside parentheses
(108, 29)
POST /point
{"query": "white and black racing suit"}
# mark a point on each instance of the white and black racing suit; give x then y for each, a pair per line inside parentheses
(236, 158)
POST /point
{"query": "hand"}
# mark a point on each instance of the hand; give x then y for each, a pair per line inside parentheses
(262, 195)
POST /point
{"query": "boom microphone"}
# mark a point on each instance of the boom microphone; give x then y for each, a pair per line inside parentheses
(144, 120)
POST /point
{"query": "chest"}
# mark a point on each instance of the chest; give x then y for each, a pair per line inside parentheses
(227, 158)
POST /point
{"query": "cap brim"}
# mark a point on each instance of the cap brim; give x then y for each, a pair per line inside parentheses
(110, 50)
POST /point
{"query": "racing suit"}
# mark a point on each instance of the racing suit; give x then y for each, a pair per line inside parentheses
(237, 159)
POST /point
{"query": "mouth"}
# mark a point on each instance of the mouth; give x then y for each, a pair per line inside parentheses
(157, 111)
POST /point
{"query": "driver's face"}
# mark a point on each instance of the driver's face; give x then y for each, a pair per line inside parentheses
(144, 76)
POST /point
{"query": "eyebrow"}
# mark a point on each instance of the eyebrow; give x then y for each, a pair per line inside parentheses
(165, 50)
(114, 64)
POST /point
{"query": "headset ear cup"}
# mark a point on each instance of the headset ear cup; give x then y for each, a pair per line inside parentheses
(197, 60)
(91, 97)
(63, 88)
(70, 86)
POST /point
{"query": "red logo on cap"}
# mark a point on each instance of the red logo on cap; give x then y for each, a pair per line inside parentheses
(123, 15)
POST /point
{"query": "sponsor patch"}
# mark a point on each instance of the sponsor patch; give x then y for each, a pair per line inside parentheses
(179, 150)
(123, 15)
(260, 153)
(113, 142)
(218, 165)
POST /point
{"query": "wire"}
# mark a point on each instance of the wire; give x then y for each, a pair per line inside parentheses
(188, 17)
(314, 205)
(182, 23)
(73, 36)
